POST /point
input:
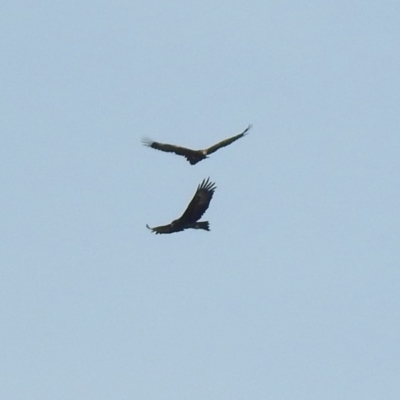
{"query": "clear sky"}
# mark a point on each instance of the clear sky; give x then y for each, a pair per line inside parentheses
(295, 292)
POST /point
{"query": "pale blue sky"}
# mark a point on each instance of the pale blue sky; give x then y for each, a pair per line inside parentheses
(294, 294)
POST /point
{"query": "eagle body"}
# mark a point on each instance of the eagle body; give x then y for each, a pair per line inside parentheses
(193, 156)
(194, 211)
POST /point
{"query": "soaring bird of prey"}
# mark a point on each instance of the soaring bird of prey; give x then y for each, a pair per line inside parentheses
(195, 210)
(193, 156)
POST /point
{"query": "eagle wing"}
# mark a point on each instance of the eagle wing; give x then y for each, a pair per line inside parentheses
(164, 229)
(200, 202)
(168, 148)
(227, 142)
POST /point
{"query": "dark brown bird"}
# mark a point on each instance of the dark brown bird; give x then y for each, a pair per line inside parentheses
(193, 156)
(195, 210)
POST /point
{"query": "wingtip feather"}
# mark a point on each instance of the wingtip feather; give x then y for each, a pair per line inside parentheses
(246, 131)
(207, 184)
(147, 141)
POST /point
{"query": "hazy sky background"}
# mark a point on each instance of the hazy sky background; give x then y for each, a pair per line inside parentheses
(294, 294)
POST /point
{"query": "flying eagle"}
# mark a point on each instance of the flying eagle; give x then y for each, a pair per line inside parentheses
(193, 156)
(195, 210)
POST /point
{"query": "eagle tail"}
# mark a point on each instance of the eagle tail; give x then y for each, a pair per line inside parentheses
(202, 225)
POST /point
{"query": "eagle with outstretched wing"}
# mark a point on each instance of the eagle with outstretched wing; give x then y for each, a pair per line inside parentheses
(195, 210)
(193, 156)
